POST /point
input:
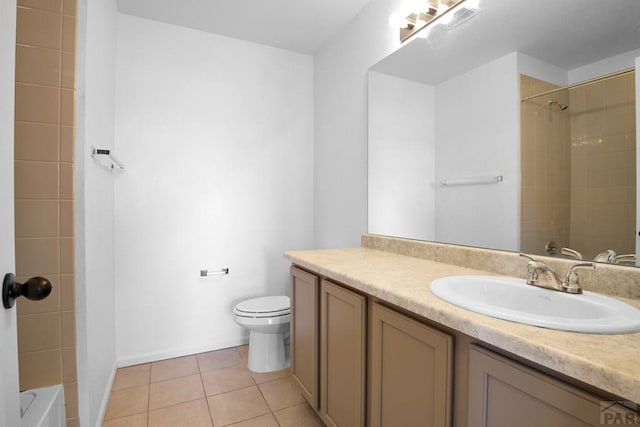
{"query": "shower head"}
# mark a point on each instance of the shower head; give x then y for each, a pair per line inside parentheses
(562, 106)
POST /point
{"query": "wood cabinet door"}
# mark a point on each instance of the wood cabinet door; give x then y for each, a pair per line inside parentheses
(342, 356)
(411, 368)
(505, 393)
(304, 350)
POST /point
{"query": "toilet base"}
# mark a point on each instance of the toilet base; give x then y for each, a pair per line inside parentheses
(267, 352)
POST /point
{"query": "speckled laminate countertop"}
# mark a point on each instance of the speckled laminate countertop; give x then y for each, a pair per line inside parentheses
(608, 362)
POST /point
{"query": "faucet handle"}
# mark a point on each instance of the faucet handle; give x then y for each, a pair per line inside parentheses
(571, 283)
(528, 256)
(532, 269)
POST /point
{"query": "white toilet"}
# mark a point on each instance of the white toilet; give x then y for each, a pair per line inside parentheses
(268, 320)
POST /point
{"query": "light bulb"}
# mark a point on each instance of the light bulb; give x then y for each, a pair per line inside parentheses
(398, 20)
(442, 7)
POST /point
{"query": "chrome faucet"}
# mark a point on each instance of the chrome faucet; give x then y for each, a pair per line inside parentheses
(627, 259)
(535, 268)
(606, 256)
(570, 284)
(551, 248)
(571, 253)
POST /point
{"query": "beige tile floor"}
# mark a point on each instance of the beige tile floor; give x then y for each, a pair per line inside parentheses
(207, 389)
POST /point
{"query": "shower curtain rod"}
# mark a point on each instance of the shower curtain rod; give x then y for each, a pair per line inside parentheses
(584, 83)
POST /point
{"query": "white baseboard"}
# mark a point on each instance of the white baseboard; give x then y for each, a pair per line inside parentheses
(105, 397)
(178, 352)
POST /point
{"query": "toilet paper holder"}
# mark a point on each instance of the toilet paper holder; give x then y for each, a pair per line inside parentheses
(218, 272)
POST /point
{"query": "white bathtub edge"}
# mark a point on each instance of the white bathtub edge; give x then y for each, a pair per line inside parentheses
(40, 409)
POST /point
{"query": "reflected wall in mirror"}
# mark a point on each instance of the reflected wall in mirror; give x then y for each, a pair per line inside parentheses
(448, 107)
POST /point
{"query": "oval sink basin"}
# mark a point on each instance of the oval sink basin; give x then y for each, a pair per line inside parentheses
(512, 299)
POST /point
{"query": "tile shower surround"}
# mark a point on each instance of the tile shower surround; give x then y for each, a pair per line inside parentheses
(44, 193)
(579, 166)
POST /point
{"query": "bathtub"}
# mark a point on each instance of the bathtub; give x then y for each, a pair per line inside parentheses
(43, 407)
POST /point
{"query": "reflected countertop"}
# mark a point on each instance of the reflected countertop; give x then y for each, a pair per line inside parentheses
(607, 362)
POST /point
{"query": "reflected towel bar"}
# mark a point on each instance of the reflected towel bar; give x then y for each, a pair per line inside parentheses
(492, 179)
(219, 272)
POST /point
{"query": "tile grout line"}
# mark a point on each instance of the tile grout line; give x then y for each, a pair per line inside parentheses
(204, 390)
(200, 372)
(267, 402)
(149, 396)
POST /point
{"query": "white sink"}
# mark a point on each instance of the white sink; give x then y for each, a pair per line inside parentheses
(512, 299)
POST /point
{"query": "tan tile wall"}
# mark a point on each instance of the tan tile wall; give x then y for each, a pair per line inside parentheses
(545, 167)
(44, 193)
(583, 194)
(603, 178)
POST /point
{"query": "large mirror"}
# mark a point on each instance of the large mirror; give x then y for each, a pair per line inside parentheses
(513, 130)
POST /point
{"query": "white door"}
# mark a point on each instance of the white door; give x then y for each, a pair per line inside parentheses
(9, 397)
(637, 230)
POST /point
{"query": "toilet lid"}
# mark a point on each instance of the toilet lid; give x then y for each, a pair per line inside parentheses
(264, 307)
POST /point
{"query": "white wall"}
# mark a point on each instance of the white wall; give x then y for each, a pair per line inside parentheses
(9, 404)
(401, 112)
(477, 116)
(217, 138)
(94, 209)
(606, 66)
(401, 158)
(340, 123)
(538, 69)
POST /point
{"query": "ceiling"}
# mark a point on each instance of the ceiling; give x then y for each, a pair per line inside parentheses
(302, 26)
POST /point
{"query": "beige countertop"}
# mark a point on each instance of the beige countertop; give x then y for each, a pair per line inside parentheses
(608, 362)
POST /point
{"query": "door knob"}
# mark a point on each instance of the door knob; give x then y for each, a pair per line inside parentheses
(34, 289)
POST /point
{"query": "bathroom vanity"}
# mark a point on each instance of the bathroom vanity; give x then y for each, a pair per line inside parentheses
(371, 345)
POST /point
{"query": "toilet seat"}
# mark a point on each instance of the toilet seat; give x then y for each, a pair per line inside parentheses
(273, 306)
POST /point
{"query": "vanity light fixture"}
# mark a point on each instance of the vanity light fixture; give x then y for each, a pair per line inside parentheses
(417, 15)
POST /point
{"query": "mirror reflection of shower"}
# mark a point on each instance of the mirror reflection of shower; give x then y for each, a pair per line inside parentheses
(578, 151)
(560, 105)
